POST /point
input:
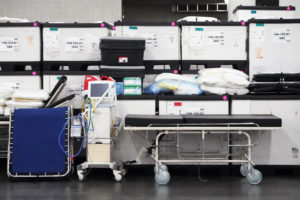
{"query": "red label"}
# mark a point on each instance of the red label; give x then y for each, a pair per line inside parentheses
(123, 59)
(177, 103)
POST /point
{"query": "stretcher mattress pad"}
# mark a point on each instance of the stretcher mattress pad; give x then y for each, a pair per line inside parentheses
(166, 120)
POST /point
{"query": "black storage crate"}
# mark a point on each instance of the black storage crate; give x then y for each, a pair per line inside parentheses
(117, 51)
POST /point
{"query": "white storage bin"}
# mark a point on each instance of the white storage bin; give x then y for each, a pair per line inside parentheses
(20, 45)
(73, 43)
(214, 44)
(274, 46)
(244, 13)
(162, 42)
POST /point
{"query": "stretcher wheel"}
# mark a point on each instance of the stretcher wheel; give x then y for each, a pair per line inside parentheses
(118, 175)
(162, 177)
(254, 177)
(123, 171)
(80, 175)
(244, 170)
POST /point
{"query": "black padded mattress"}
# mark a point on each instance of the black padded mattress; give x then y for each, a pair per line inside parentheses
(146, 120)
(260, 120)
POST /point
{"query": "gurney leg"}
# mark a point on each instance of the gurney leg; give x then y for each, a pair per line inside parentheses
(254, 176)
(162, 176)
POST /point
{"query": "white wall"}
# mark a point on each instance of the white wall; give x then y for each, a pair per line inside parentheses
(63, 10)
(295, 3)
(232, 4)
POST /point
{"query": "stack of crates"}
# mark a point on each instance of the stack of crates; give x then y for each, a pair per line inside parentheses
(20, 54)
(72, 50)
(162, 53)
(213, 44)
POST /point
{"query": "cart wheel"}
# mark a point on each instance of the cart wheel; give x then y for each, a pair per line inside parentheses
(254, 177)
(118, 177)
(123, 171)
(80, 175)
(162, 177)
(244, 170)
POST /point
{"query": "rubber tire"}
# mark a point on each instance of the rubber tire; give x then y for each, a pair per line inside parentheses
(118, 177)
(254, 177)
(80, 175)
(244, 170)
(162, 177)
(123, 171)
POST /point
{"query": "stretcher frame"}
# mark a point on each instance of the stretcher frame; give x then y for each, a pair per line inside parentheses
(33, 175)
(205, 129)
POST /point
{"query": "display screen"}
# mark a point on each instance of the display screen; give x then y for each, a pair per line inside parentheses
(97, 89)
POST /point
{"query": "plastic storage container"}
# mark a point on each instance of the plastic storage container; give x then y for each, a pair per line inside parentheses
(213, 44)
(244, 13)
(274, 46)
(121, 51)
(73, 44)
(161, 37)
(20, 46)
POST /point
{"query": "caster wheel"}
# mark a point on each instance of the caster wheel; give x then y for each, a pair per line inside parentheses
(118, 177)
(123, 171)
(162, 177)
(244, 170)
(80, 175)
(254, 177)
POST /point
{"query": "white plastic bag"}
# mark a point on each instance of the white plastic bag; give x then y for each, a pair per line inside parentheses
(213, 90)
(223, 80)
(1, 110)
(2, 101)
(6, 92)
(28, 95)
(16, 104)
(223, 90)
(177, 77)
(212, 71)
(241, 91)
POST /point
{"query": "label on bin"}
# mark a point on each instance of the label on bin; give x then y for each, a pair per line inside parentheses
(215, 38)
(74, 44)
(9, 44)
(151, 39)
(281, 35)
(199, 29)
(123, 60)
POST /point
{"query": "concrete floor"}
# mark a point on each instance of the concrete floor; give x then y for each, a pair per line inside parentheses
(221, 183)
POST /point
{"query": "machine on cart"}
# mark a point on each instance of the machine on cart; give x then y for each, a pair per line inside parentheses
(102, 128)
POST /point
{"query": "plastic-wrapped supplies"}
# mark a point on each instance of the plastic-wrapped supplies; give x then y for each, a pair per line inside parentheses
(30, 95)
(177, 84)
(27, 99)
(223, 81)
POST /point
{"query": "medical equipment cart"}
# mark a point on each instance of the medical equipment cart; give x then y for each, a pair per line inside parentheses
(102, 128)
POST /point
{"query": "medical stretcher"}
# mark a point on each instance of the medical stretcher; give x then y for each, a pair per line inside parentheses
(203, 125)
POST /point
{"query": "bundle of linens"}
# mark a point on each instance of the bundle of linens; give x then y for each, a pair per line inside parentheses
(20, 98)
(223, 81)
(174, 83)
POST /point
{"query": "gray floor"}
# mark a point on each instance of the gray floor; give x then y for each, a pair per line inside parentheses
(221, 183)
